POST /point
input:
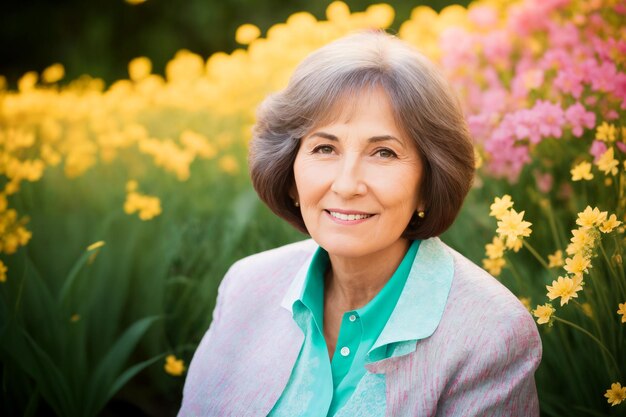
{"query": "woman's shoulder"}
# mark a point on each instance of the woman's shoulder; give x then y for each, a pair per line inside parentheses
(275, 267)
(480, 299)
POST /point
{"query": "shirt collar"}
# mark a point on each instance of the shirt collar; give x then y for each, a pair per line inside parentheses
(421, 304)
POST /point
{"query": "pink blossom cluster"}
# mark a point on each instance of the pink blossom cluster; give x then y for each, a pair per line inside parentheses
(552, 71)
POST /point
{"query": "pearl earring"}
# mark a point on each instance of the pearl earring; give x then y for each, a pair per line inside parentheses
(421, 214)
(295, 203)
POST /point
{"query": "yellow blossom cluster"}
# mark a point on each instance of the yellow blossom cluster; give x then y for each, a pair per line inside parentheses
(148, 207)
(610, 134)
(512, 228)
(83, 124)
(592, 222)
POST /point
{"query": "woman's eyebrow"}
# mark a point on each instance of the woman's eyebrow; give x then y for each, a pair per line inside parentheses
(373, 139)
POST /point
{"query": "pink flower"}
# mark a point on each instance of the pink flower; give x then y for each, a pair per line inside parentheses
(497, 46)
(597, 149)
(578, 118)
(544, 181)
(563, 36)
(550, 118)
(569, 81)
(483, 16)
(602, 77)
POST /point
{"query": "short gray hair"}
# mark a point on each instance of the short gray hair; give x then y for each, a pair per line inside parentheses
(424, 105)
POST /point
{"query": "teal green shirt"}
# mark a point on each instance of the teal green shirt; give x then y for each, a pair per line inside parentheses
(318, 386)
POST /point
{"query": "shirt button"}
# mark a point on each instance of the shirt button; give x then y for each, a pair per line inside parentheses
(352, 317)
(345, 351)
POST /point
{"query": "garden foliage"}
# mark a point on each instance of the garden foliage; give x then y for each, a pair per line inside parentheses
(122, 206)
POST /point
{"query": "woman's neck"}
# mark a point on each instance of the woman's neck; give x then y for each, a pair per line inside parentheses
(351, 283)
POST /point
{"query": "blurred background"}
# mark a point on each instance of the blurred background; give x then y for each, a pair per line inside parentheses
(125, 197)
(100, 37)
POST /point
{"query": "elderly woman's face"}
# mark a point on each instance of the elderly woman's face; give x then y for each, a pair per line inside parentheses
(357, 179)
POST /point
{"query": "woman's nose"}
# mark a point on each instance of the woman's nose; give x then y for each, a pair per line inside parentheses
(348, 179)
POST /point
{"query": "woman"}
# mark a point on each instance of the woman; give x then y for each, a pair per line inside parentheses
(367, 151)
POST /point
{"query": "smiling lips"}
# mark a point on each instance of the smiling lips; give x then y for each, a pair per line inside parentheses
(348, 216)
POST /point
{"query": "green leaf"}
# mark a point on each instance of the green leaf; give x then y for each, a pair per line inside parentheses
(100, 385)
(131, 372)
(50, 380)
(72, 277)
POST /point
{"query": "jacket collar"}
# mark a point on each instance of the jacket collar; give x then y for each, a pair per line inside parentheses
(420, 306)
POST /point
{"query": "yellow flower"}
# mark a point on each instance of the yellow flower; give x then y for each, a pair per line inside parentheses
(228, 164)
(3, 272)
(500, 206)
(515, 244)
(494, 266)
(74, 318)
(380, 15)
(495, 249)
(246, 33)
(53, 73)
(606, 132)
(577, 265)
(338, 11)
(607, 162)
(135, 2)
(582, 171)
(139, 68)
(555, 260)
(608, 225)
(513, 226)
(582, 241)
(174, 366)
(587, 310)
(590, 217)
(544, 313)
(565, 288)
(622, 311)
(616, 394)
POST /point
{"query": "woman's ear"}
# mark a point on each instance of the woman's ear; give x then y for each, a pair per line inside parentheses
(293, 193)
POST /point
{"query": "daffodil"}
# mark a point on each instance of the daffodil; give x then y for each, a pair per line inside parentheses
(500, 206)
(607, 162)
(606, 132)
(611, 223)
(513, 226)
(544, 313)
(590, 217)
(494, 266)
(565, 288)
(577, 265)
(246, 33)
(582, 171)
(556, 259)
(495, 249)
(616, 394)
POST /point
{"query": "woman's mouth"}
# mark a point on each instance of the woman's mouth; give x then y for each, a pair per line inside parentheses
(348, 217)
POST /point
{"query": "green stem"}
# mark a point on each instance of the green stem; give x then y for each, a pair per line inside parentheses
(613, 271)
(558, 237)
(518, 278)
(535, 254)
(604, 348)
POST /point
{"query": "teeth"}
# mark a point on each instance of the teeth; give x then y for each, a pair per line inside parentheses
(342, 216)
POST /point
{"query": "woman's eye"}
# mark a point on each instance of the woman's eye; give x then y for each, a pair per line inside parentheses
(325, 149)
(386, 153)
